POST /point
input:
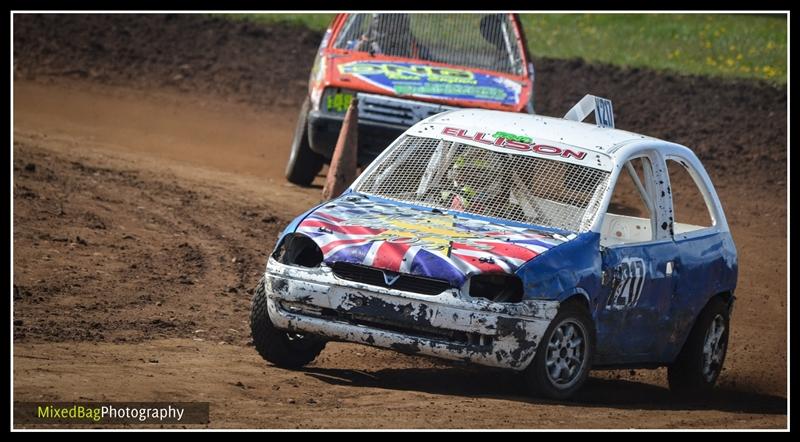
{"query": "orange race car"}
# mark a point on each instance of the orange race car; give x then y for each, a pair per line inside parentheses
(405, 68)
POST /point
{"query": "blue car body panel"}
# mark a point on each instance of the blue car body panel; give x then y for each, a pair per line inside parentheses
(642, 315)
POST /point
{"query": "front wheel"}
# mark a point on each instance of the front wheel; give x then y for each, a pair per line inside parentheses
(564, 355)
(699, 363)
(304, 164)
(282, 348)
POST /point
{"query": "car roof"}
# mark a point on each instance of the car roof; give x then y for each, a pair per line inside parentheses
(586, 136)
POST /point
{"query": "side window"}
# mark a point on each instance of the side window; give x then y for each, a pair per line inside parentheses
(628, 218)
(690, 210)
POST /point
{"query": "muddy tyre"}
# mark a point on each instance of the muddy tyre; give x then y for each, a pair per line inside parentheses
(304, 164)
(282, 348)
(564, 355)
(698, 365)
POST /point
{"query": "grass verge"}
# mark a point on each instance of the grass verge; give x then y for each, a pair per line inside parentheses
(723, 45)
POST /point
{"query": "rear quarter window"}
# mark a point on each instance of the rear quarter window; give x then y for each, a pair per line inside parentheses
(690, 211)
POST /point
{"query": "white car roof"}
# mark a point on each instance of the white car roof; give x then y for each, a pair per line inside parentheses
(570, 137)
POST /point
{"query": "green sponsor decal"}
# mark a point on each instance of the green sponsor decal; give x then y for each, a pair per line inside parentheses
(413, 72)
(485, 92)
(512, 137)
(338, 102)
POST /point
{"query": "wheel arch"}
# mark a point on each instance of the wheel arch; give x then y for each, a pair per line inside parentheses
(580, 297)
(726, 297)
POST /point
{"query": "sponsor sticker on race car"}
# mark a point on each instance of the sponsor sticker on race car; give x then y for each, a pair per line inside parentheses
(432, 81)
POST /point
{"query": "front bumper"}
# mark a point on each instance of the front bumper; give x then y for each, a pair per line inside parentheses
(381, 119)
(373, 137)
(315, 301)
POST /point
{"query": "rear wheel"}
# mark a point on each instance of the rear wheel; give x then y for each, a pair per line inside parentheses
(563, 357)
(699, 363)
(282, 348)
(304, 164)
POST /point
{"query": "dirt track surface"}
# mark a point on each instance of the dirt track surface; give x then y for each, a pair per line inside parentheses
(734, 125)
(144, 212)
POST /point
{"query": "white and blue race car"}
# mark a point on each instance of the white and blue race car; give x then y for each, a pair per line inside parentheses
(496, 238)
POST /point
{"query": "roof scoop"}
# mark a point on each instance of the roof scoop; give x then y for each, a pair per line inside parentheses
(602, 108)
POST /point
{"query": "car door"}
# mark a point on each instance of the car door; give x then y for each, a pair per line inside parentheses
(706, 261)
(638, 258)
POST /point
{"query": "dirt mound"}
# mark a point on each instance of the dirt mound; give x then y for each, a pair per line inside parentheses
(734, 126)
(737, 126)
(119, 255)
(190, 52)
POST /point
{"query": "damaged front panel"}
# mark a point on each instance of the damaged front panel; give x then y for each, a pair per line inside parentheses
(448, 325)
